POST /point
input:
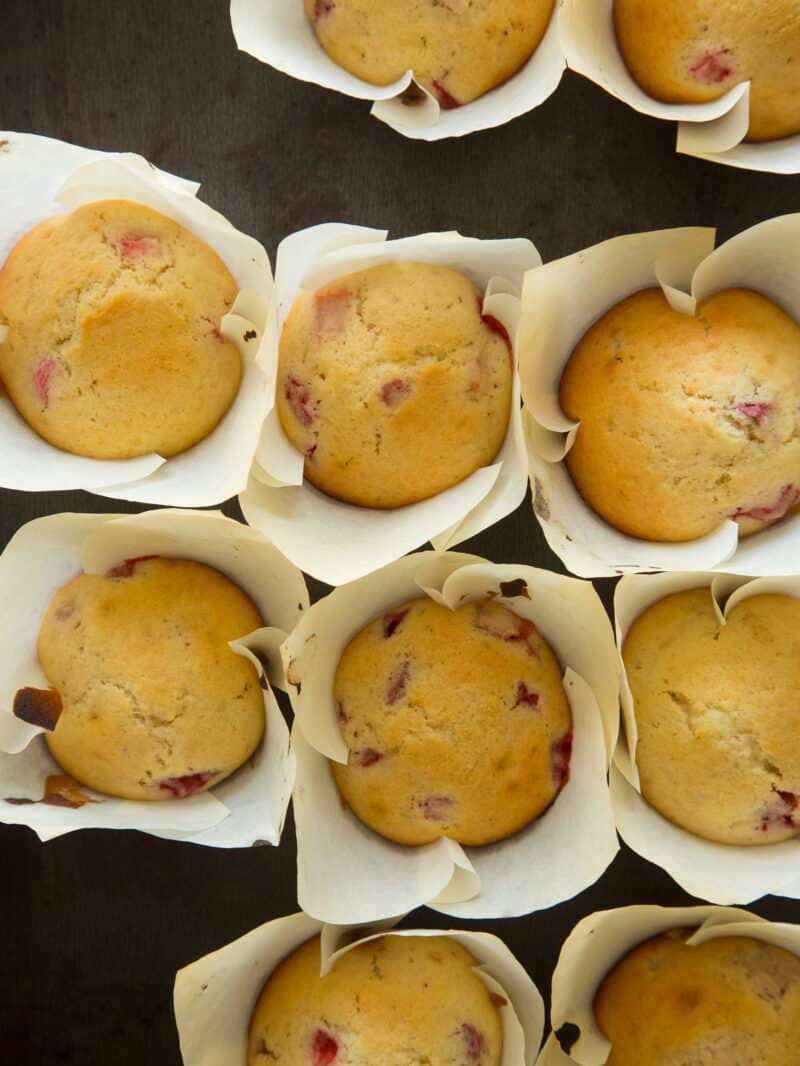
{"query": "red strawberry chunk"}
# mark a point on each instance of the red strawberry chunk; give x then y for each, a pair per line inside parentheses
(759, 412)
(330, 310)
(394, 392)
(447, 102)
(180, 787)
(367, 756)
(299, 397)
(41, 379)
(560, 755)
(392, 621)
(134, 246)
(782, 813)
(789, 496)
(474, 1042)
(526, 696)
(712, 68)
(127, 568)
(436, 808)
(324, 1048)
(323, 8)
(397, 683)
(65, 610)
(494, 325)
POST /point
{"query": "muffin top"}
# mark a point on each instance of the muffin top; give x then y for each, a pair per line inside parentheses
(391, 1001)
(155, 704)
(733, 1000)
(456, 722)
(393, 384)
(691, 51)
(458, 49)
(687, 420)
(113, 347)
(718, 715)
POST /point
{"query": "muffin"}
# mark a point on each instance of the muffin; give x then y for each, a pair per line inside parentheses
(718, 715)
(385, 1002)
(686, 421)
(457, 723)
(114, 348)
(154, 703)
(692, 51)
(732, 1000)
(393, 384)
(458, 49)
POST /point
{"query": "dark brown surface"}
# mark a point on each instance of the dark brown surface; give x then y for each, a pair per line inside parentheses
(94, 925)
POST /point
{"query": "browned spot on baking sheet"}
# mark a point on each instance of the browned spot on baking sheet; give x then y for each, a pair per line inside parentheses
(38, 706)
(63, 791)
(413, 96)
(60, 790)
(540, 504)
(513, 589)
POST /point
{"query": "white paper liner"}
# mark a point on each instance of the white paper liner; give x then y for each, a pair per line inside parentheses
(555, 857)
(553, 320)
(39, 177)
(277, 32)
(251, 805)
(712, 131)
(722, 873)
(214, 997)
(336, 541)
(599, 941)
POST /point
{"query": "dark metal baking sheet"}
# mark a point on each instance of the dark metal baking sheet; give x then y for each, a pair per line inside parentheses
(94, 925)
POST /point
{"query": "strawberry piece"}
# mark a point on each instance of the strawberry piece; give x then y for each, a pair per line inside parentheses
(474, 1043)
(330, 310)
(299, 397)
(394, 392)
(526, 696)
(713, 68)
(367, 756)
(759, 412)
(180, 787)
(324, 1048)
(447, 102)
(391, 621)
(789, 496)
(436, 808)
(560, 755)
(41, 380)
(127, 568)
(134, 246)
(397, 683)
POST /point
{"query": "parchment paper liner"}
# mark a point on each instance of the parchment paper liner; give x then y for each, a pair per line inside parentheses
(279, 33)
(48, 552)
(599, 941)
(336, 541)
(41, 177)
(346, 872)
(722, 873)
(711, 131)
(684, 264)
(215, 996)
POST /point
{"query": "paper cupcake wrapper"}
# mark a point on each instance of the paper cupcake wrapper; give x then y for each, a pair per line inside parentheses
(598, 942)
(722, 873)
(40, 177)
(684, 264)
(336, 541)
(214, 997)
(712, 131)
(248, 807)
(560, 853)
(277, 32)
